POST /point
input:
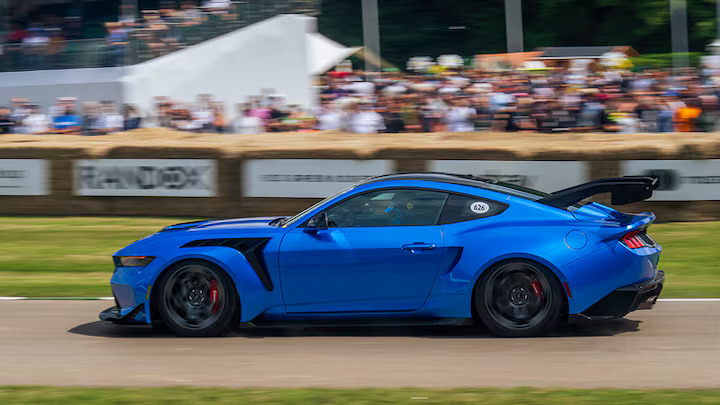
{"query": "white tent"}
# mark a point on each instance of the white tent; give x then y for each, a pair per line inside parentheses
(278, 55)
(324, 53)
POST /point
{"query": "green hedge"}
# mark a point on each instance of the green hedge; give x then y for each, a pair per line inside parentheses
(663, 60)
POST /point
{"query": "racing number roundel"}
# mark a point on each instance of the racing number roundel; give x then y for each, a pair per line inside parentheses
(479, 207)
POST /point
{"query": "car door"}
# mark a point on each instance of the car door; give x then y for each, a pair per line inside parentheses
(380, 252)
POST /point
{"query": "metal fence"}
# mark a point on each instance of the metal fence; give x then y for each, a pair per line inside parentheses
(145, 43)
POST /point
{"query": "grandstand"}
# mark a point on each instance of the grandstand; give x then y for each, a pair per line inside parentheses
(69, 34)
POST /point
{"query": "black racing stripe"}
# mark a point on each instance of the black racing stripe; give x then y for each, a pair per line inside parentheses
(251, 248)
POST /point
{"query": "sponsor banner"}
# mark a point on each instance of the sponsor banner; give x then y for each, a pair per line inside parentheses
(540, 175)
(307, 178)
(680, 180)
(146, 177)
(23, 177)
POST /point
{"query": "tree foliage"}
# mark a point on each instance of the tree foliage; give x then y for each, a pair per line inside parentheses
(421, 27)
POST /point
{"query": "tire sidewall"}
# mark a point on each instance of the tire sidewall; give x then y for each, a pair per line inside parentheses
(221, 324)
(553, 316)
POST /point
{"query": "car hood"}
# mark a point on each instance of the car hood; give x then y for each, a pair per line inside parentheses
(174, 236)
(222, 224)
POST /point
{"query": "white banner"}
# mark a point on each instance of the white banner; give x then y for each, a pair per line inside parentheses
(540, 175)
(146, 177)
(23, 177)
(307, 178)
(680, 180)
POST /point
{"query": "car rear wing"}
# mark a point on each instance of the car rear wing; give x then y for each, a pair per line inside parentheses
(624, 190)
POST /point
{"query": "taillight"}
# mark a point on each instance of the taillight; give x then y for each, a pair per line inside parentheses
(636, 239)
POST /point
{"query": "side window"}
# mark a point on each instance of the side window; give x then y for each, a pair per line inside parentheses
(390, 207)
(460, 208)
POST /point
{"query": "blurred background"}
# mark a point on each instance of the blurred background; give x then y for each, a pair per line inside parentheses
(119, 117)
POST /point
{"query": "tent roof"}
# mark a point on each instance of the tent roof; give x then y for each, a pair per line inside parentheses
(575, 52)
(324, 53)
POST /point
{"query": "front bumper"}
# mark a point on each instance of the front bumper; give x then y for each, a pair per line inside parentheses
(627, 299)
(114, 315)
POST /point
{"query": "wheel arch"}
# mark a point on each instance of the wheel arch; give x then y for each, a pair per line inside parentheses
(153, 312)
(498, 261)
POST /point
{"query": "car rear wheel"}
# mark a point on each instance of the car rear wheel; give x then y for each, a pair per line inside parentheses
(517, 299)
(197, 299)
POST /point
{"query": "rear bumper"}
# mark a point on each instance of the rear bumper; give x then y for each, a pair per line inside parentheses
(627, 299)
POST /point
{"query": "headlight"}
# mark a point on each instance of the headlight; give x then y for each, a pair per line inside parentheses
(132, 261)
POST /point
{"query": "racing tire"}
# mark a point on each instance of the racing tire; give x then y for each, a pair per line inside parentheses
(519, 299)
(197, 299)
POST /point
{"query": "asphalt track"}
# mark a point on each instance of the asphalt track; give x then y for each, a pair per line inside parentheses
(677, 345)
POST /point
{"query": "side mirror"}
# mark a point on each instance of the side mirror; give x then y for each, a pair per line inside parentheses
(317, 223)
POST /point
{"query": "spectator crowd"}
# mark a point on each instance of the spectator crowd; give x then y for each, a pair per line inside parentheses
(555, 101)
(131, 36)
(64, 117)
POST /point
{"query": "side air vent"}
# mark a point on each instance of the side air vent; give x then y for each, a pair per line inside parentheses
(251, 248)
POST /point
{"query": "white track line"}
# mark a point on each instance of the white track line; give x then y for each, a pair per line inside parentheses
(689, 299)
(56, 298)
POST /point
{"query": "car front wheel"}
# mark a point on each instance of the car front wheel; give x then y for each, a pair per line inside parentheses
(518, 299)
(197, 299)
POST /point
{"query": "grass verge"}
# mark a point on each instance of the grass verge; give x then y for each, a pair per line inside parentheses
(186, 395)
(70, 257)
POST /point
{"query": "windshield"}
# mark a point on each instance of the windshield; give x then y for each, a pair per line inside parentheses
(289, 221)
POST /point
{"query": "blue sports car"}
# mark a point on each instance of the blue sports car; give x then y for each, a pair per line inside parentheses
(417, 247)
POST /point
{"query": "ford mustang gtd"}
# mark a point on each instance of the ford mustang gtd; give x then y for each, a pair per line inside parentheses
(416, 247)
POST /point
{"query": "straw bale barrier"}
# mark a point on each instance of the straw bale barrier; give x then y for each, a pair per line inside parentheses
(410, 152)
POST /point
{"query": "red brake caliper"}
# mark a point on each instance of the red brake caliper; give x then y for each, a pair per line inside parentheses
(214, 296)
(537, 288)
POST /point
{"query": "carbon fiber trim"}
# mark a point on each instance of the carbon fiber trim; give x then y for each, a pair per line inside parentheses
(251, 248)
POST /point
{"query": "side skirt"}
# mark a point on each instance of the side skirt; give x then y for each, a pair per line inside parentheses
(367, 322)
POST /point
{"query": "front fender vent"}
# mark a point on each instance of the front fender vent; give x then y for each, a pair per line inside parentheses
(251, 248)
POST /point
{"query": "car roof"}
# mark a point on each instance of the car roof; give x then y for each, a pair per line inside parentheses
(466, 180)
(463, 180)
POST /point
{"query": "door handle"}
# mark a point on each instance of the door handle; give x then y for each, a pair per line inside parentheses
(419, 246)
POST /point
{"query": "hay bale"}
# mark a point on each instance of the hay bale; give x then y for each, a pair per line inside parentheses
(253, 207)
(410, 165)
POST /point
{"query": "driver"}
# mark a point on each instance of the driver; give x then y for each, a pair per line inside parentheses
(399, 210)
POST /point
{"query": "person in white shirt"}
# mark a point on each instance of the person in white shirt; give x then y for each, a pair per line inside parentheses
(329, 118)
(202, 114)
(361, 88)
(367, 121)
(37, 123)
(20, 111)
(246, 123)
(110, 121)
(460, 117)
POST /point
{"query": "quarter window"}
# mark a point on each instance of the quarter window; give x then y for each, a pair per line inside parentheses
(460, 208)
(391, 207)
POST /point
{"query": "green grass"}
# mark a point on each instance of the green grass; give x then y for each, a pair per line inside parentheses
(65, 257)
(70, 257)
(186, 395)
(690, 258)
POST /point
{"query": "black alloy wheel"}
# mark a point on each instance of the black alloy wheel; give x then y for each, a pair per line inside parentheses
(517, 299)
(197, 299)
